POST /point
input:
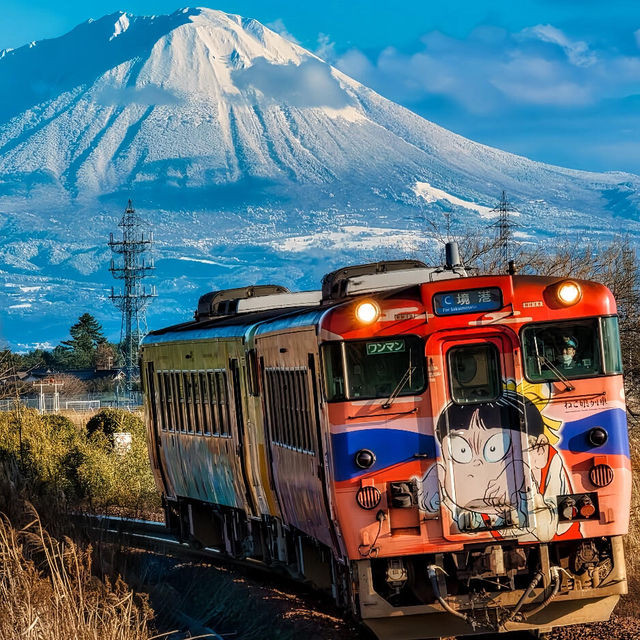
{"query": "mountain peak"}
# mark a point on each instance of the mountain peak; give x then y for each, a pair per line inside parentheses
(241, 148)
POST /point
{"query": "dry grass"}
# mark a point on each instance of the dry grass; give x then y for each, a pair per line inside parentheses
(630, 604)
(48, 591)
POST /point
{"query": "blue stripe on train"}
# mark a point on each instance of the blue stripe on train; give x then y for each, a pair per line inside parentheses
(395, 446)
(573, 435)
(390, 446)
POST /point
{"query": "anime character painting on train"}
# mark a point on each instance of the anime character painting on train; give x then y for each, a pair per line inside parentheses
(495, 474)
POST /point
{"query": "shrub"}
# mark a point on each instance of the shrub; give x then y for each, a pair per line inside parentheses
(60, 462)
(110, 421)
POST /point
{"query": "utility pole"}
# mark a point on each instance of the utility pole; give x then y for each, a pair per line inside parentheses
(134, 298)
(504, 226)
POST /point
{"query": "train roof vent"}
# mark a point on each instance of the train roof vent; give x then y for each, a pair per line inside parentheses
(280, 301)
(379, 276)
(225, 302)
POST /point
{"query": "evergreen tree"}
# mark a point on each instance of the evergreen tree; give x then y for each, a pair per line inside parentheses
(86, 335)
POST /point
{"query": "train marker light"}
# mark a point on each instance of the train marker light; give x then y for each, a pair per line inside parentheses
(586, 507)
(569, 293)
(568, 509)
(367, 312)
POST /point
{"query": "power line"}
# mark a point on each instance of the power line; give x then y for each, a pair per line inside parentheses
(134, 298)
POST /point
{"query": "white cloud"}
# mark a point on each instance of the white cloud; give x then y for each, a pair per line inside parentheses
(309, 84)
(279, 27)
(538, 81)
(326, 48)
(577, 52)
(492, 70)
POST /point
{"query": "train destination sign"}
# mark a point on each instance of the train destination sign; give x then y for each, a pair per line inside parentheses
(469, 301)
(389, 346)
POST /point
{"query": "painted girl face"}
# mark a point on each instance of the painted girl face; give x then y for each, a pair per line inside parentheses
(478, 476)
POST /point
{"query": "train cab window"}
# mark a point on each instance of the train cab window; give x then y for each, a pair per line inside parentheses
(611, 345)
(474, 373)
(378, 368)
(564, 350)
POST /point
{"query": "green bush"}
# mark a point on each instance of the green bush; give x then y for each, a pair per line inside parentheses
(57, 457)
(110, 421)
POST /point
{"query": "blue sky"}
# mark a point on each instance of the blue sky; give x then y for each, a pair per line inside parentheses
(554, 80)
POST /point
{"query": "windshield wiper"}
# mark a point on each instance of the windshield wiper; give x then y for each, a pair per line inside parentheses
(403, 381)
(567, 385)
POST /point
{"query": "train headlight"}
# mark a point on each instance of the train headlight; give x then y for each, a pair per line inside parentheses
(367, 312)
(569, 293)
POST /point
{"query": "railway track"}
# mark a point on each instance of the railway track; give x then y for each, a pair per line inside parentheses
(152, 536)
(276, 599)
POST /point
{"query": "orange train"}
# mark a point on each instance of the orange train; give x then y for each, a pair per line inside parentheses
(446, 454)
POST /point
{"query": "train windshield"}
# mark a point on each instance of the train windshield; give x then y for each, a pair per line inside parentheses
(363, 369)
(575, 349)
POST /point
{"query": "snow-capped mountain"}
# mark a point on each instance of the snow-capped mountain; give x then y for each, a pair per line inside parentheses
(252, 159)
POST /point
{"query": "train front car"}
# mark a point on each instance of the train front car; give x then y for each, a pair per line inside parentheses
(481, 462)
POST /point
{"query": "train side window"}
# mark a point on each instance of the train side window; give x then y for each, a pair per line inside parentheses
(213, 399)
(252, 373)
(611, 345)
(291, 409)
(206, 403)
(171, 401)
(197, 404)
(162, 401)
(563, 350)
(474, 373)
(269, 405)
(223, 403)
(179, 400)
(288, 408)
(188, 400)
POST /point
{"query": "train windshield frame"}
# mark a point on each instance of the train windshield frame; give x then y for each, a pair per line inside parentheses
(571, 349)
(374, 368)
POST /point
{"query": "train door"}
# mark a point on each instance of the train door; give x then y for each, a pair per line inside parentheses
(240, 430)
(480, 424)
(154, 418)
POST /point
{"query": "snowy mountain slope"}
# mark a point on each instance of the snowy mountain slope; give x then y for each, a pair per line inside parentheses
(252, 158)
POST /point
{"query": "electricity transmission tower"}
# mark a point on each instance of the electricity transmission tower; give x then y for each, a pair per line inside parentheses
(134, 298)
(504, 226)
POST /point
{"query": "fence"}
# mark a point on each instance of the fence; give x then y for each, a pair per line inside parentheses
(49, 403)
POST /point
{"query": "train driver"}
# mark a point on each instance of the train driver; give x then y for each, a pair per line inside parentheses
(566, 357)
